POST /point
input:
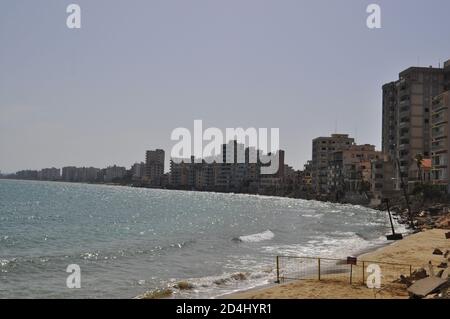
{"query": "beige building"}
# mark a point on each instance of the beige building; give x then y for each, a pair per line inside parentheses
(407, 116)
(350, 170)
(138, 171)
(382, 179)
(440, 143)
(323, 149)
(114, 172)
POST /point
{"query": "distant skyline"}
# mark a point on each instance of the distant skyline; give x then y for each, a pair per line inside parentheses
(136, 70)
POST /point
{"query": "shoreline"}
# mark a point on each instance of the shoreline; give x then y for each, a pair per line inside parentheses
(257, 289)
(308, 198)
(414, 249)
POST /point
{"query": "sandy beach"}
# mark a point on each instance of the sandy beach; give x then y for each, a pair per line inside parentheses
(416, 250)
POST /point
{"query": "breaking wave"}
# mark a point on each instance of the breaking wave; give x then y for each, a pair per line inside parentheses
(254, 238)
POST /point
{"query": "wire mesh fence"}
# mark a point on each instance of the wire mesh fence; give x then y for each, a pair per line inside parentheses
(352, 271)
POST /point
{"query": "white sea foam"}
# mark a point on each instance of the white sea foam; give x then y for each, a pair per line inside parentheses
(266, 235)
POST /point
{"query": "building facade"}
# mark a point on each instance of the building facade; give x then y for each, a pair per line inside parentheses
(113, 173)
(350, 170)
(440, 143)
(407, 125)
(50, 174)
(154, 166)
(323, 149)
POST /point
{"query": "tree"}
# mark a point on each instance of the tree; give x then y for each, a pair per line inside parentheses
(419, 162)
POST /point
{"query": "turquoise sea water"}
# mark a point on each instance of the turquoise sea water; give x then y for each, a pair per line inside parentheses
(129, 240)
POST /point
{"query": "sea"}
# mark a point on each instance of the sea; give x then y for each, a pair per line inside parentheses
(127, 241)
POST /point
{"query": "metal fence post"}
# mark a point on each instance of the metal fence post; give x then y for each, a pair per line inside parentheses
(364, 272)
(351, 273)
(318, 269)
(278, 269)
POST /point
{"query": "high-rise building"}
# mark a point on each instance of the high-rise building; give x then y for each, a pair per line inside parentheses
(50, 174)
(27, 174)
(447, 76)
(322, 150)
(440, 144)
(382, 179)
(406, 119)
(389, 135)
(69, 173)
(114, 172)
(154, 166)
(80, 174)
(138, 171)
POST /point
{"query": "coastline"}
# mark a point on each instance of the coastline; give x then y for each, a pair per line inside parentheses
(370, 253)
(415, 249)
(358, 254)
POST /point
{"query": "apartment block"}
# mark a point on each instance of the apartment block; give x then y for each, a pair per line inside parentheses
(238, 169)
(440, 144)
(27, 174)
(350, 170)
(80, 174)
(50, 174)
(382, 179)
(389, 118)
(138, 171)
(114, 172)
(407, 118)
(323, 149)
(154, 166)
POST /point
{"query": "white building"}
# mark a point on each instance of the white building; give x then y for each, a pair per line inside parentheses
(114, 172)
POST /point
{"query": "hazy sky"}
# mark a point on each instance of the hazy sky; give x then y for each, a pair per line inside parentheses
(136, 70)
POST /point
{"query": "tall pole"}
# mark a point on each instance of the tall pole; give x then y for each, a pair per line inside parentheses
(390, 217)
(405, 193)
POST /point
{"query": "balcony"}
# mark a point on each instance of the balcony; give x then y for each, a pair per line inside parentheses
(438, 132)
(437, 105)
(435, 120)
(438, 147)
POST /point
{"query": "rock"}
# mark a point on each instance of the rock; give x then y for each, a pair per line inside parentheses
(426, 286)
(419, 274)
(239, 276)
(157, 294)
(221, 281)
(447, 235)
(437, 252)
(442, 265)
(184, 285)
(403, 280)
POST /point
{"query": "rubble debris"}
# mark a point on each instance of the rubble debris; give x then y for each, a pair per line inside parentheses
(404, 280)
(419, 274)
(426, 286)
(442, 265)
